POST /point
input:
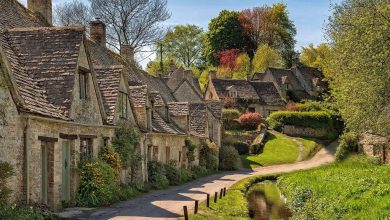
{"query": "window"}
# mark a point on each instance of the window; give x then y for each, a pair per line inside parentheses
(86, 149)
(233, 94)
(150, 149)
(83, 79)
(123, 100)
(167, 154)
(251, 109)
(179, 156)
(155, 153)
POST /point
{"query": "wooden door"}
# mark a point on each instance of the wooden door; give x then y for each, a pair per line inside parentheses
(65, 187)
(44, 172)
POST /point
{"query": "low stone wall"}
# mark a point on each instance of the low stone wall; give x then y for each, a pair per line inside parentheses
(294, 131)
(375, 146)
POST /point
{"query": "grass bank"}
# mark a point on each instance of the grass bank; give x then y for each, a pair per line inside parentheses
(278, 149)
(356, 188)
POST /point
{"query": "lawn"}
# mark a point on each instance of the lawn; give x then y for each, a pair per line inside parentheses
(310, 147)
(353, 189)
(278, 149)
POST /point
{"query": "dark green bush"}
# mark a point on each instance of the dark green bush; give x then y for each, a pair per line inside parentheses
(208, 156)
(242, 148)
(348, 143)
(6, 171)
(199, 171)
(24, 212)
(320, 119)
(156, 175)
(190, 151)
(98, 184)
(228, 158)
(230, 119)
(125, 142)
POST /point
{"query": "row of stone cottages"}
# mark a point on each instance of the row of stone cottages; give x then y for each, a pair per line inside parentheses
(62, 95)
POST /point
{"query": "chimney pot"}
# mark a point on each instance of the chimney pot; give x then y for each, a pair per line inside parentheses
(128, 52)
(98, 31)
(42, 8)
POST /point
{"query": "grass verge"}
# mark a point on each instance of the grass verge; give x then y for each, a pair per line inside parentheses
(310, 147)
(356, 188)
(278, 149)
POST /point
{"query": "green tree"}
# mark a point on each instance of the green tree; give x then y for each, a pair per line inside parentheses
(316, 57)
(243, 67)
(225, 32)
(185, 45)
(266, 57)
(360, 63)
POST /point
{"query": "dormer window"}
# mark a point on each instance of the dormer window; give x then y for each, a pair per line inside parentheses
(232, 94)
(83, 79)
(152, 109)
(123, 103)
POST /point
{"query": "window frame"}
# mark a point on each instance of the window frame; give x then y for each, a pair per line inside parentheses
(83, 84)
(123, 105)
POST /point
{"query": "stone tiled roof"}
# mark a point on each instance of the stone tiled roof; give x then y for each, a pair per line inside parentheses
(109, 81)
(310, 74)
(49, 56)
(13, 14)
(215, 108)
(243, 87)
(161, 126)
(281, 75)
(157, 99)
(138, 95)
(267, 93)
(178, 108)
(198, 119)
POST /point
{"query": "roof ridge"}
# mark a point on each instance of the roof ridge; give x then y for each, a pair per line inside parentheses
(56, 28)
(108, 67)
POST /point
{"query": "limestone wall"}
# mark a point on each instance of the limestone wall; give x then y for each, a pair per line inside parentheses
(292, 130)
(375, 146)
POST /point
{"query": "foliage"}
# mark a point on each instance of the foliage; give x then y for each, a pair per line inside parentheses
(230, 118)
(200, 171)
(224, 33)
(6, 171)
(184, 44)
(208, 156)
(360, 64)
(243, 67)
(348, 143)
(190, 151)
(266, 57)
(227, 58)
(229, 102)
(98, 184)
(310, 147)
(22, 212)
(112, 158)
(318, 119)
(353, 189)
(154, 67)
(242, 148)
(291, 106)
(228, 158)
(316, 57)
(175, 175)
(278, 149)
(251, 121)
(125, 142)
(157, 175)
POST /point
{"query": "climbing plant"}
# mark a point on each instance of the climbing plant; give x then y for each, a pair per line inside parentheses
(125, 142)
(190, 151)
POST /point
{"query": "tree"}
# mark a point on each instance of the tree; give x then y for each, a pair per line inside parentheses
(360, 64)
(266, 57)
(74, 12)
(243, 67)
(224, 33)
(184, 44)
(272, 26)
(316, 56)
(227, 62)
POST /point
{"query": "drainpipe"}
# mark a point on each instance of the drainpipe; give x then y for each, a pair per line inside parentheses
(27, 158)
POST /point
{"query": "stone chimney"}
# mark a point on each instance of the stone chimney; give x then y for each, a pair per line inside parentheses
(41, 7)
(128, 52)
(98, 31)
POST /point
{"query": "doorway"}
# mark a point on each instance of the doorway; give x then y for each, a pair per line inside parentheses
(65, 186)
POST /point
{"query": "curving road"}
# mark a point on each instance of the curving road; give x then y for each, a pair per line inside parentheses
(168, 204)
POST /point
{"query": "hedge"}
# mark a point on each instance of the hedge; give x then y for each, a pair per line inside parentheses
(319, 119)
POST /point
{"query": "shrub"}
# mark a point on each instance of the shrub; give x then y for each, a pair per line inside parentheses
(230, 114)
(208, 156)
(98, 185)
(24, 212)
(173, 173)
(348, 143)
(156, 175)
(229, 102)
(190, 151)
(199, 171)
(319, 119)
(228, 158)
(6, 171)
(125, 141)
(251, 121)
(242, 148)
(112, 158)
(291, 106)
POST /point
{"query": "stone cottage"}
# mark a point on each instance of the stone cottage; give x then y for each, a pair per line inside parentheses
(253, 96)
(62, 95)
(375, 145)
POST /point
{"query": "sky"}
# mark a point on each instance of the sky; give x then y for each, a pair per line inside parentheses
(309, 16)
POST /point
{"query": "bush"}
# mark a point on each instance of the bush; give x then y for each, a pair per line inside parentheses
(6, 171)
(228, 158)
(24, 212)
(190, 151)
(319, 119)
(230, 119)
(250, 121)
(125, 142)
(98, 185)
(291, 106)
(208, 156)
(112, 158)
(242, 148)
(156, 175)
(348, 143)
(199, 171)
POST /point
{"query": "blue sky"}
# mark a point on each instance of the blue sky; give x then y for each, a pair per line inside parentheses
(309, 16)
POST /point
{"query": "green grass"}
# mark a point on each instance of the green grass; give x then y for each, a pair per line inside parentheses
(310, 147)
(278, 149)
(353, 189)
